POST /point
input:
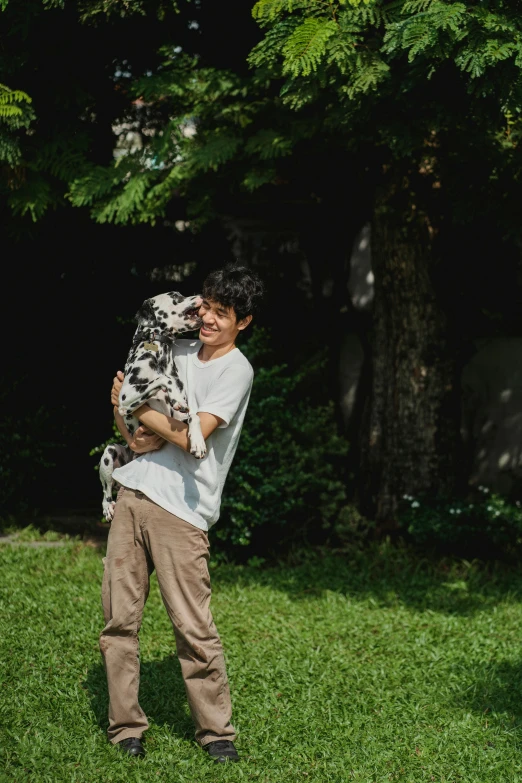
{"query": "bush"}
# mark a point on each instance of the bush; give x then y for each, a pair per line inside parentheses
(488, 524)
(288, 477)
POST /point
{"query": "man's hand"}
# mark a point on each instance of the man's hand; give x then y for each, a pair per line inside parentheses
(144, 440)
(117, 383)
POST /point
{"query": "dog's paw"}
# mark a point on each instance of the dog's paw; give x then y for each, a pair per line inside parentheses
(199, 448)
(178, 406)
(108, 509)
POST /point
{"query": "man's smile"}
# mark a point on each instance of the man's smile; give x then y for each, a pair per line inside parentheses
(208, 329)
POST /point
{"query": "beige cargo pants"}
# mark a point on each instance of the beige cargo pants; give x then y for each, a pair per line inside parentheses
(144, 537)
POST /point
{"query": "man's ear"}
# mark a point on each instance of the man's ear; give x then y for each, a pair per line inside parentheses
(244, 323)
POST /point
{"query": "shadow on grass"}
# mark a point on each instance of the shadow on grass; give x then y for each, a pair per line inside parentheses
(388, 575)
(495, 691)
(162, 695)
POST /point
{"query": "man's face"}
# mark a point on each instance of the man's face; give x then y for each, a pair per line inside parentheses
(219, 323)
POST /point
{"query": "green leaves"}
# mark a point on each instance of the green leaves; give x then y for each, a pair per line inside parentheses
(305, 48)
(12, 102)
(267, 11)
(283, 474)
(94, 186)
(267, 53)
(268, 144)
(419, 27)
(115, 195)
(368, 72)
(15, 113)
(320, 43)
(91, 10)
(216, 150)
(419, 32)
(199, 125)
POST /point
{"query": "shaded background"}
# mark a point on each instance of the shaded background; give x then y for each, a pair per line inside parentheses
(71, 285)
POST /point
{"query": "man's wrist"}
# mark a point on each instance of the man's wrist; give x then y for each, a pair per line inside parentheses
(141, 411)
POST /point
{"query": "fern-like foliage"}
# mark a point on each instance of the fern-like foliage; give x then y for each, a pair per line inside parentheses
(268, 11)
(362, 65)
(326, 40)
(15, 114)
(91, 9)
(353, 46)
(12, 103)
(269, 144)
(267, 54)
(305, 48)
(94, 186)
(215, 151)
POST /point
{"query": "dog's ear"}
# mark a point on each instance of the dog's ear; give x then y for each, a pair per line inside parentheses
(146, 312)
(176, 297)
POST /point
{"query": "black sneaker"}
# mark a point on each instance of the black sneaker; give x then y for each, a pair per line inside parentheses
(222, 751)
(132, 746)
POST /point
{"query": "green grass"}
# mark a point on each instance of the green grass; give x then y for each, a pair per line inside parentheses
(372, 667)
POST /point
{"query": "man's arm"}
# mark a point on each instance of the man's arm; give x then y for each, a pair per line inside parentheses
(218, 409)
(165, 428)
(172, 430)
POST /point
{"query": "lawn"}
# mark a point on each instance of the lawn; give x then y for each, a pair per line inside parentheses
(368, 667)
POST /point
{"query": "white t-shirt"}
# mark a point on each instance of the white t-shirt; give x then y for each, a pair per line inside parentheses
(171, 477)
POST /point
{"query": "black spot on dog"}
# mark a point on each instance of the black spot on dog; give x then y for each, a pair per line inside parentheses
(106, 460)
(124, 396)
(135, 375)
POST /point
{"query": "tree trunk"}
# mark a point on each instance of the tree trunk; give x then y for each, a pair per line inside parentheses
(410, 442)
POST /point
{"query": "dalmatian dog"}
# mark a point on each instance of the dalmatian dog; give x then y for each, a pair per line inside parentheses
(151, 376)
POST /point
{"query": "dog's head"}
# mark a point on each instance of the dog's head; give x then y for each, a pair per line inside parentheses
(170, 313)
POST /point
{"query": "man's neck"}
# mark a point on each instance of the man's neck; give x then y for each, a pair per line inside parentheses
(208, 352)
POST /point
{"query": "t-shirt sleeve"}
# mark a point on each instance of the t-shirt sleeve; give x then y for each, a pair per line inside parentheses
(227, 393)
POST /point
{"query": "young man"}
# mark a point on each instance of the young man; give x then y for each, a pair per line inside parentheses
(167, 503)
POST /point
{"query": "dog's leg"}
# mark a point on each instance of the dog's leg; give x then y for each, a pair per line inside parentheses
(114, 456)
(131, 422)
(198, 447)
(163, 402)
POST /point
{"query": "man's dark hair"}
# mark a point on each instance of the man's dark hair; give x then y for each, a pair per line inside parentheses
(237, 287)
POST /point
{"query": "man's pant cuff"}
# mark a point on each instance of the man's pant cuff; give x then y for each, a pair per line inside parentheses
(208, 739)
(125, 734)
